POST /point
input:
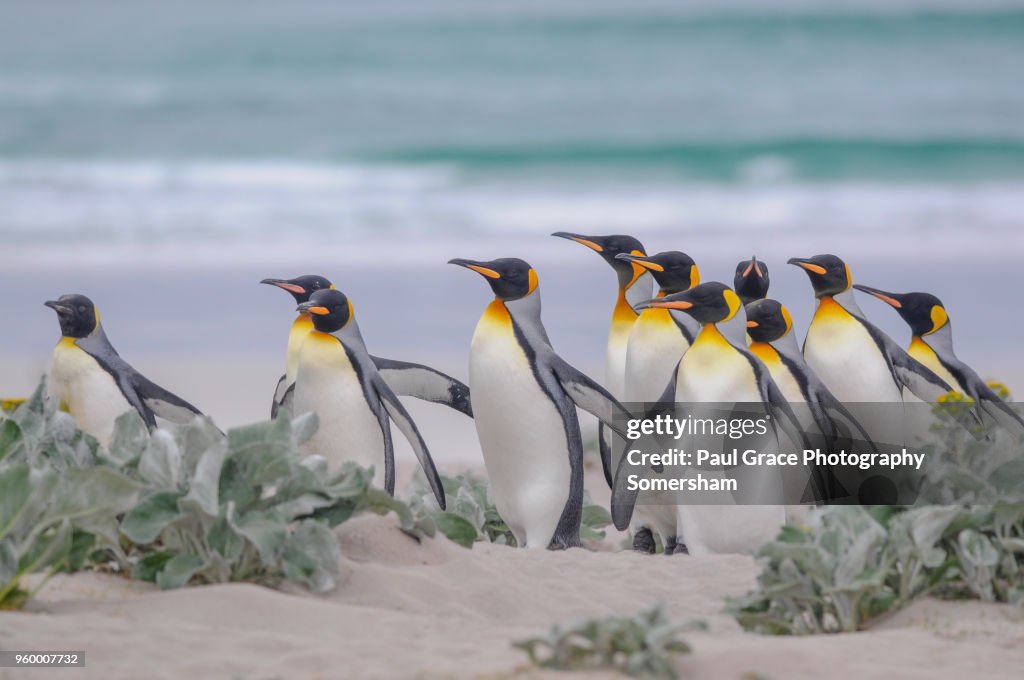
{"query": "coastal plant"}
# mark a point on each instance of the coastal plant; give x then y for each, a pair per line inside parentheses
(472, 515)
(52, 514)
(192, 505)
(964, 537)
(641, 646)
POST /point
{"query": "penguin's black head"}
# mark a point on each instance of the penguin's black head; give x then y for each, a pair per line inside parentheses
(330, 309)
(751, 281)
(829, 275)
(609, 247)
(77, 315)
(767, 320)
(923, 312)
(301, 287)
(510, 277)
(711, 302)
(674, 271)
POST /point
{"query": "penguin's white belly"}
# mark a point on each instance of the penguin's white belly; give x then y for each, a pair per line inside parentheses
(653, 353)
(89, 393)
(327, 384)
(655, 347)
(522, 436)
(716, 374)
(712, 371)
(846, 358)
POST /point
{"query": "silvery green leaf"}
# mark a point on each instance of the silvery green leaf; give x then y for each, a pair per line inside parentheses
(466, 506)
(143, 523)
(303, 505)
(195, 438)
(304, 427)
(929, 524)
(203, 492)
(312, 556)
(161, 463)
(315, 463)
(10, 437)
(263, 451)
(178, 571)
(978, 548)
(14, 495)
(129, 439)
(8, 562)
(47, 550)
(227, 542)
(62, 427)
(456, 528)
(267, 532)
(93, 491)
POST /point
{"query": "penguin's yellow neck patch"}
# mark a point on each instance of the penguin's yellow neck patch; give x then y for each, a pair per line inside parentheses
(765, 352)
(710, 336)
(67, 342)
(623, 315)
(303, 324)
(655, 316)
(497, 313)
(830, 310)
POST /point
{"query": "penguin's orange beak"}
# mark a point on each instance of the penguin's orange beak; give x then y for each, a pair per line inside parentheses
(888, 298)
(582, 240)
(478, 267)
(284, 284)
(808, 265)
(310, 308)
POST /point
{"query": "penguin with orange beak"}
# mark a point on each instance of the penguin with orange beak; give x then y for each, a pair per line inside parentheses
(405, 378)
(634, 286)
(931, 343)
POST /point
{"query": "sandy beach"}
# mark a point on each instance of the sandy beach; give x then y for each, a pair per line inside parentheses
(436, 610)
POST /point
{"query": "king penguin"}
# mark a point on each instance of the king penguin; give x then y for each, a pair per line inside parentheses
(770, 328)
(862, 366)
(931, 343)
(719, 369)
(657, 341)
(751, 280)
(857, 361)
(404, 378)
(337, 379)
(635, 285)
(524, 400)
(93, 382)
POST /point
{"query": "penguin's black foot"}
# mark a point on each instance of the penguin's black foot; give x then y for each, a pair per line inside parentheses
(680, 548)
(670, 545)
(643, 541)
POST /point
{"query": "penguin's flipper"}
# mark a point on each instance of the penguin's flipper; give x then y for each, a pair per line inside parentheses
(596, 401)
(906, 370)
(1002, 413)
(623, 498)
(422, 382)
(829, 413)
(405, 423)
(279, 393)
(591, 397)
(604, 448)
(785, 419)
(164, 403)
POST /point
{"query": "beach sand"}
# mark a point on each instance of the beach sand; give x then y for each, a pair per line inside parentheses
(436, 610)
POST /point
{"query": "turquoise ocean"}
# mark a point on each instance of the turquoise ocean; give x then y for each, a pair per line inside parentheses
(194, 131)
(164, 157)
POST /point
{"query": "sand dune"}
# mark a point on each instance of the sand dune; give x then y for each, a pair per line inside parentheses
(436, 610)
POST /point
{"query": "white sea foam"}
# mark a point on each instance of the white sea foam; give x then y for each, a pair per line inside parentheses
(179, 213)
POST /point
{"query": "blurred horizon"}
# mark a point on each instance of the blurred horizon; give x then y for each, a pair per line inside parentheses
(198, 134)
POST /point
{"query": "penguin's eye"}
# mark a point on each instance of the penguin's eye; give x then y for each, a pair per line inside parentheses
(81, 308)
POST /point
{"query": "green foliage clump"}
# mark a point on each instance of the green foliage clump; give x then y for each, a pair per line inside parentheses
(640, 646)
(189, 506)
(963, 538)
(472, 515)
